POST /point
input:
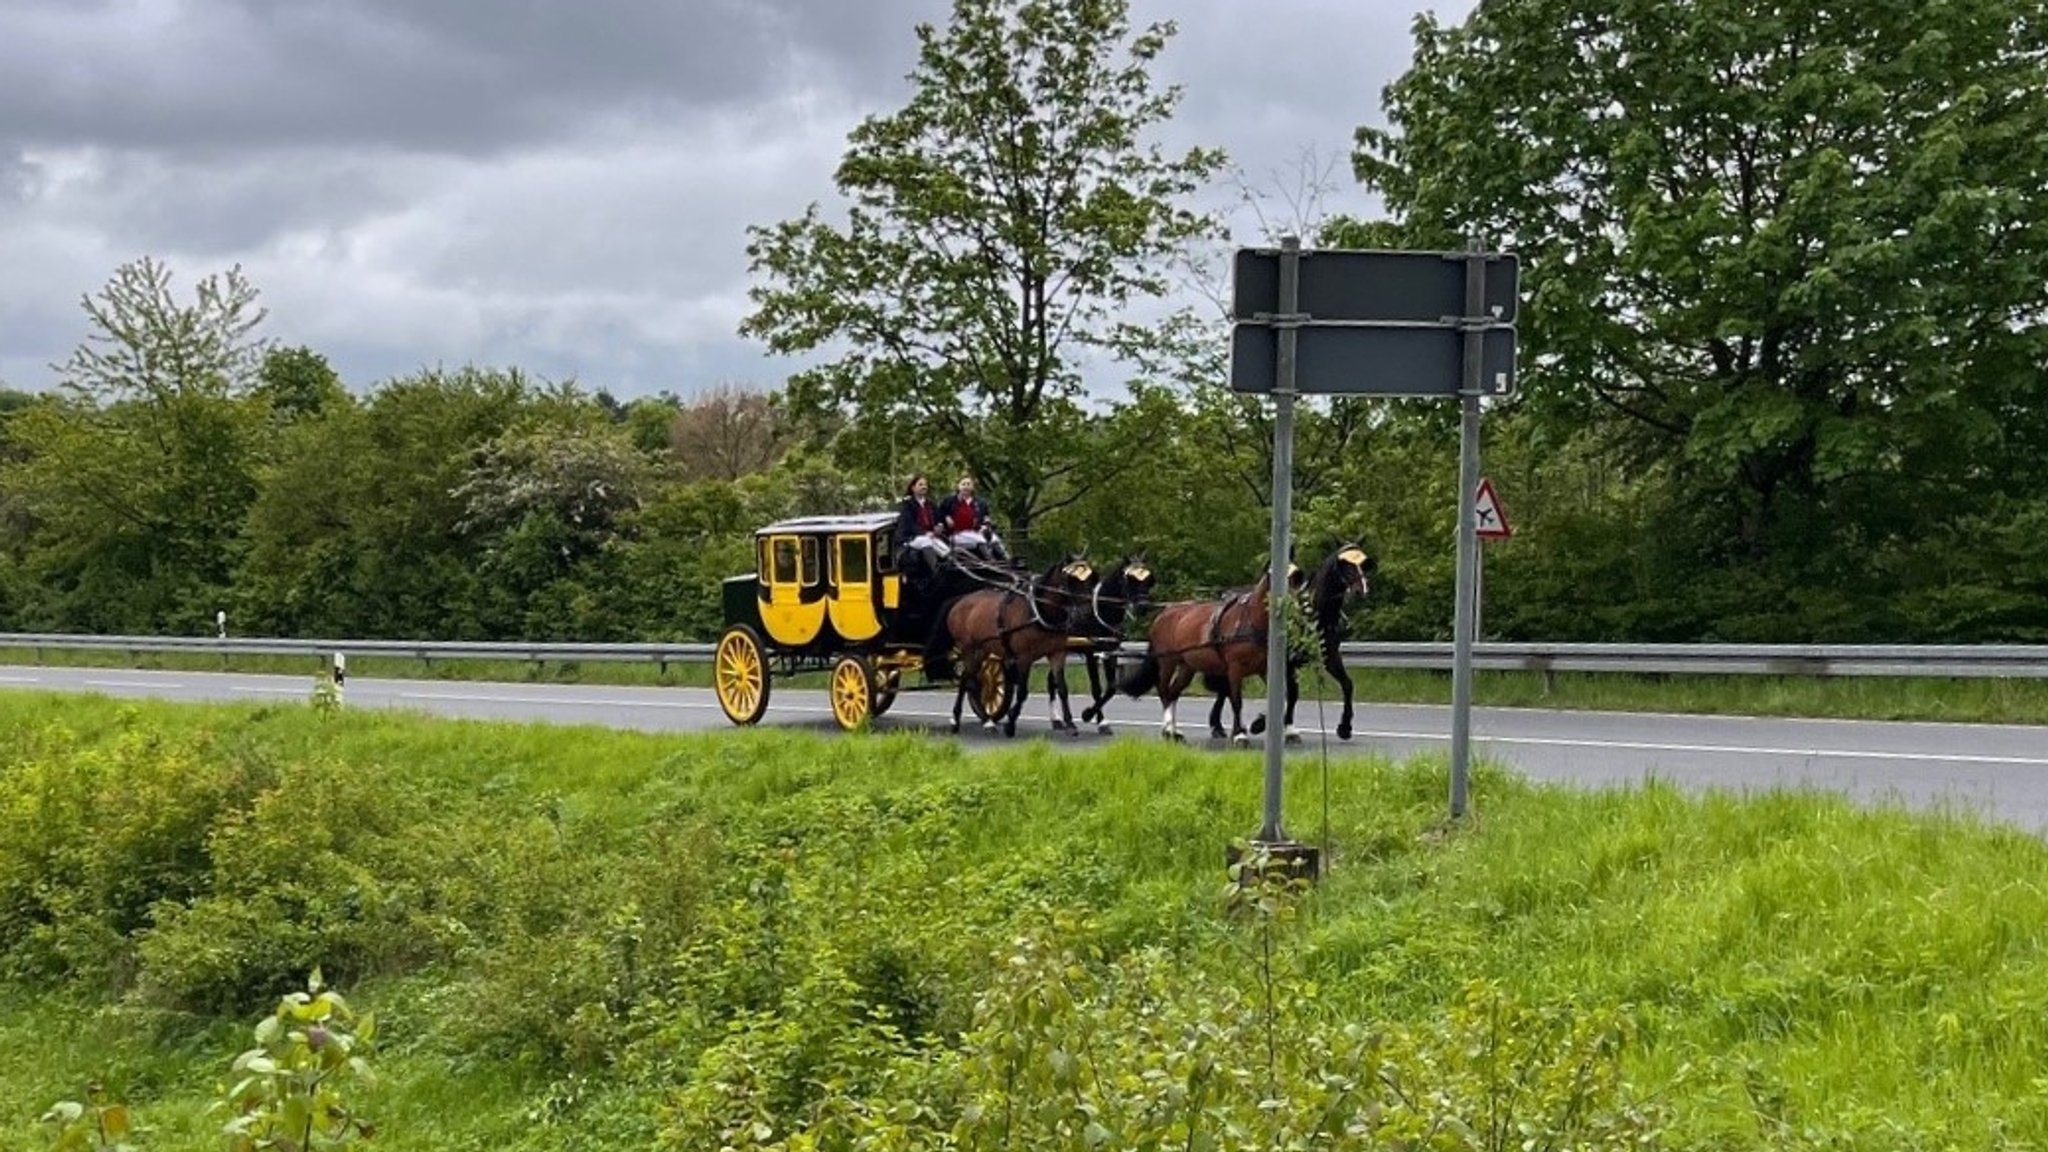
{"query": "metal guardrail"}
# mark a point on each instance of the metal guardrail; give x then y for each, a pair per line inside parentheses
(1960, 660)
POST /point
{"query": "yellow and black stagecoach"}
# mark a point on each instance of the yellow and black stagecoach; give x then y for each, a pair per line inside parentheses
(826, 593)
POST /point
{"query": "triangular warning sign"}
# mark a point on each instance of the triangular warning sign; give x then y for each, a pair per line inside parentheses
(1492, 523)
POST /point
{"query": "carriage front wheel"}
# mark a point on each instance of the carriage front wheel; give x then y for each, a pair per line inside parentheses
(987, 700)
(853, 692)
(739, 675)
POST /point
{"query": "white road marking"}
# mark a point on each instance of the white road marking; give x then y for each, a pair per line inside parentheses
(1730, 749)
(945, 717)
(578, 701)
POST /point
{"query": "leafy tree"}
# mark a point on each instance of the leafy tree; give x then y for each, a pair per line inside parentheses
(355, 531)
(546, 503)
(139, 473)
(1792, 252)
(298, 382)
(1000, 223)
(647, 421)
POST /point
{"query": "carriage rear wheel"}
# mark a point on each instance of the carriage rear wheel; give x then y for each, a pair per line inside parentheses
(853, 692)
(739, 675)
(987, 700)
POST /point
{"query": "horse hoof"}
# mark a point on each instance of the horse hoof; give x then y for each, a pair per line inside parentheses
(1103, 728)
(1259, 726)
(1293, 738)
(1216, 733)
(1344, 731)
(1241, 739)
(988, 725)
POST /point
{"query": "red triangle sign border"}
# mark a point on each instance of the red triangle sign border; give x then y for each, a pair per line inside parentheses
(1493, 522)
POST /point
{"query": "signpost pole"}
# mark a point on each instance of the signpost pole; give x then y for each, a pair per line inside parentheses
(1283, 500)
(1468, 539)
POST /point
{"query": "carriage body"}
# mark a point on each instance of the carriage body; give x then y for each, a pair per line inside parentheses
(825, 594)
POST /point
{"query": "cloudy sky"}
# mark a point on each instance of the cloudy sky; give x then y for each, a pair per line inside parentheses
(559, 186)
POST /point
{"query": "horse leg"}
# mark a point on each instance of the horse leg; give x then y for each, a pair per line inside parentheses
(1055, 688)
(1333, 663)
(1016, 691)
(1218, 689)
(1293, 695)
(967, 678)
(1057, 665)
(1173, 678)
(1234, 684)
(1101, 686)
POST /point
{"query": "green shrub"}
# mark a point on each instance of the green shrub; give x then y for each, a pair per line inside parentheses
(338, 866)
(99, 837)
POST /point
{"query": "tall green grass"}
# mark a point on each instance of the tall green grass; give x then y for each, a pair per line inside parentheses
(578, 938)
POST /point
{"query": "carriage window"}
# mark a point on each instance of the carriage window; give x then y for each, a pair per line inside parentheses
(810, 560)
(761, 564)
(885, 557)
(853, 560)
(785, 560)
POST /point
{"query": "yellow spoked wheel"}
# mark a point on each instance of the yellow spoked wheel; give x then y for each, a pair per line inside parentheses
(739, 675)
(853, 692)
(886, 684)
(987, 701)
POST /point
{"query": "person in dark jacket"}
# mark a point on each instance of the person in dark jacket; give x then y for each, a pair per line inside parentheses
(920, 531)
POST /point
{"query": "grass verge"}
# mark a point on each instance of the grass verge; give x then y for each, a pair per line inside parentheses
(587, 939)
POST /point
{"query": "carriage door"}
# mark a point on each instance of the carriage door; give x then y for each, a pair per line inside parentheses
(780, 590)
(853, 594)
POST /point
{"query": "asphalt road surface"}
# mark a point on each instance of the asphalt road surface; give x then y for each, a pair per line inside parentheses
(1999, 771)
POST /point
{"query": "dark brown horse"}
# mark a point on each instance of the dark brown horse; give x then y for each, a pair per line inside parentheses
(1225, 638)
(1018, 625)
(1345, 574)
(1121, 592)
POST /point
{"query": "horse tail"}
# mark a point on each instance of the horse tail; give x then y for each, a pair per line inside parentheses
(1141, 679)
(940, 642)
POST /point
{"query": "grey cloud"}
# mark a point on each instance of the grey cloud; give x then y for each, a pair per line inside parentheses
(463, 76)
(562, 186)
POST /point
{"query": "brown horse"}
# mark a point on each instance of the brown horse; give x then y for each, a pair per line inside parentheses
(1018, 625)
(1225, 638)
(1345, 575)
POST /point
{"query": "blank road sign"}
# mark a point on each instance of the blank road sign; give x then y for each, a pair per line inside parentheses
(1373, 284)
(1371, 361)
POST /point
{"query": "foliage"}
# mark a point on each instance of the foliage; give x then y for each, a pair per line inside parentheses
(614, 939)
(137, 478)
(289, 1095)
(1784, 267)
(96, 1125)
(999, 221)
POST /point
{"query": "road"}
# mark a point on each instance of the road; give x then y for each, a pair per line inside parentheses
(1999, 771)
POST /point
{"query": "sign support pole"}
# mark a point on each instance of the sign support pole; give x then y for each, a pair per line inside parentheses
(1468, 538)
(1271, 833)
